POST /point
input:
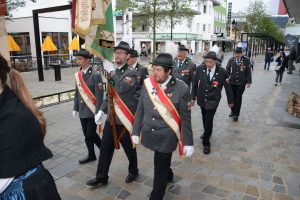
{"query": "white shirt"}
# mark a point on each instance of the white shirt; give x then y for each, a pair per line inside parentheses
(164, 84)
(85, 70)
(4, 183)
(212, 72)
(134, 65)
(181, 62)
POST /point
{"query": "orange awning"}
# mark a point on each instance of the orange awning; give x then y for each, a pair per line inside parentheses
(12, 45)
(74, 44)
(48, 45)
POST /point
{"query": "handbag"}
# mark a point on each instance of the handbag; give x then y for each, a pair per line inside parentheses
(277, 68)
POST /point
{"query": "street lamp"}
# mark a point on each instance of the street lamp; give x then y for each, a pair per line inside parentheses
(234, 27)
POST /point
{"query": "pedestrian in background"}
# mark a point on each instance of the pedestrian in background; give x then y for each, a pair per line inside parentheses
(282, 63)
(292, 58)
(252, 63)
(220, 55)
(268, 58)
(22, 150)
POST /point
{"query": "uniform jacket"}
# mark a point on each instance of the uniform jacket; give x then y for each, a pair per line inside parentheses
(126, 90)
(155, 132)
(209, 95)
(93, 80)
(142, 74)
(239, 74)
(185, 72)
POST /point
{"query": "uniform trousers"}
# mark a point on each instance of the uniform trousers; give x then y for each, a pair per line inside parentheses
(162, 173)
(207, 119)
(107, 151)
(238, 91)
(90, 135)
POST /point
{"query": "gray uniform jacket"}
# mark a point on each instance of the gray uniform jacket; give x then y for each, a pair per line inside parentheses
(209, 95)
(93, 80)
(125, 89)
(239, 72)
(142, 74)
(155, 132)
(185, 72)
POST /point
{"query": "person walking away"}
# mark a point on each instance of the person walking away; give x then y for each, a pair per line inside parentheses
(22, 148)
(292, 57)
(268, 58)
(282, 63)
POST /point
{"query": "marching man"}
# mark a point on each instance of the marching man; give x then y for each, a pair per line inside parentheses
(121, 107)
(163, 121)
(142, 71)
(87, 102)
(209, 81)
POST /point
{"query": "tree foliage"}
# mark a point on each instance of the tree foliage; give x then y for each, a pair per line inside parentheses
(155, 12)
(258, 21)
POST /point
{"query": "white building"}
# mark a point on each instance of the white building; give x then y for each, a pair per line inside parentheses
(56, 24)
(197, 30)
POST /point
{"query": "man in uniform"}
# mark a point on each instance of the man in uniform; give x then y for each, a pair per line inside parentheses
(239, 72)
(183, 67)
(163, 121)
(142, 72)
(209, 81)
(123, 82)
(87, 101)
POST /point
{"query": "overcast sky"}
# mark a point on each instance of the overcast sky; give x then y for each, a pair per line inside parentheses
(241, 5)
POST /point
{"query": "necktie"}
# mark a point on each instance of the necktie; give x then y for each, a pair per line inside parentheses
(208, 76)
(180, 64)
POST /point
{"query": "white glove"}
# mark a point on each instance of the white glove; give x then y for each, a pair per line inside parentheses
(108, 66)
(188, 151)
(99, 117)
(135, 139)
(74, 113)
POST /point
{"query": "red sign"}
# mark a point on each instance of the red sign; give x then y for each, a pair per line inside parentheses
(3, 10)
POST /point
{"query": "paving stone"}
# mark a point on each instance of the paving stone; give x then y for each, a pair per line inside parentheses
(114, 190)
(277, 180)
(124, 194)
(197, 196)
(174, 189)
(252, 191)
(266, 177)
(221, 193)
(249, 198)
(279, 188)
(209, 189)
(141, 178)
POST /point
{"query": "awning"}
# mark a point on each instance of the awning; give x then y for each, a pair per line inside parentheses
(48, 45)
(12, 45)
(74, 44)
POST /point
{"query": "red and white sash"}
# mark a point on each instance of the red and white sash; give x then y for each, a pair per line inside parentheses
(122, 111)
(87, 96)
(165, 108)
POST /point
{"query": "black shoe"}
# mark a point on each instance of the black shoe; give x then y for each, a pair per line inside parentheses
(87, 159)
(235, 118)
(131, 177)
(202, 136)
(170, 177)
(231, 115)
(206, 149)
(96, 181)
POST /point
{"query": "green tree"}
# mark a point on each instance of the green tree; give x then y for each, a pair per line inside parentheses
(258, 21)
(159, 11)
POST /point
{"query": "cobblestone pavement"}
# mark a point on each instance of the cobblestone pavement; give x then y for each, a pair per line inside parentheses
(249, 160)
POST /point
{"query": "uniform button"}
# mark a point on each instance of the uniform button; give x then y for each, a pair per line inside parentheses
(206, 90)
(205, 99)
(153, 119)
(154, 108)
(81, 101)
(206, 95)
(237, 72)
(152, 129)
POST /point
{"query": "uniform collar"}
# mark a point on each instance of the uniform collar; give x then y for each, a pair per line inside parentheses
(85, 70)
(135, 66)
(164, 84)
(212, 71)
(184, 60)
(122, 68)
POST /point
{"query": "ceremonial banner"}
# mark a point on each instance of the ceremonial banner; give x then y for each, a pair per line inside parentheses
(3, 9)
(83, 17)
